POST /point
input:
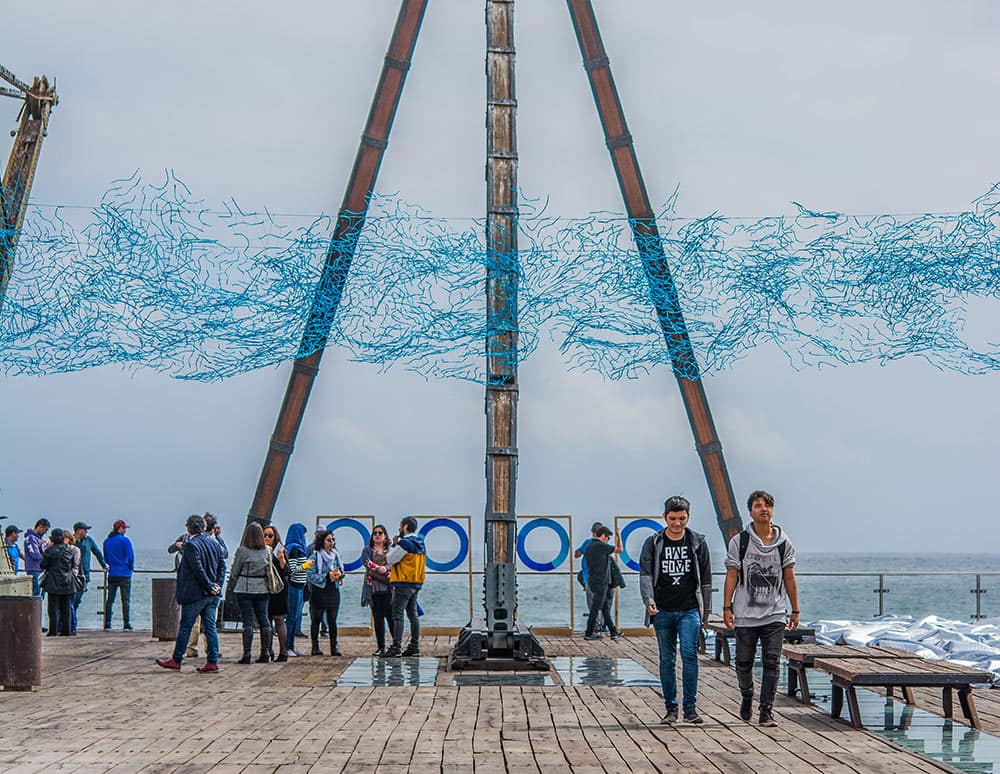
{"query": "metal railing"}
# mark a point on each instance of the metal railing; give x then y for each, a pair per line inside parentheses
(880, 580)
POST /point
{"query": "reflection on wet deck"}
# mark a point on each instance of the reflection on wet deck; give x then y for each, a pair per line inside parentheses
(585, 670)
(382, 672)
(501, 678)
(957, 745)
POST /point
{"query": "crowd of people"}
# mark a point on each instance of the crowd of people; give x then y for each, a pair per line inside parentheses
(59, 564)
(270, 582)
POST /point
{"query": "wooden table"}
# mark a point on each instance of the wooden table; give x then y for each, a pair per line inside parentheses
(801, 656)
(849, 673)
(724, 635)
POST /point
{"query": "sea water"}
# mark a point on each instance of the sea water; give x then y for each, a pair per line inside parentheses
(544, 598)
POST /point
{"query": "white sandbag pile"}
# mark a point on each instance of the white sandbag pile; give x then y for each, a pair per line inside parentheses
(972, 645)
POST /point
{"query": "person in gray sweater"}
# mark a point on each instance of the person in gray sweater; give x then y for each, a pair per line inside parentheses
(249, 578)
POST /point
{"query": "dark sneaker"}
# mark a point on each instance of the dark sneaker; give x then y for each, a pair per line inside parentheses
(316, 651)
(392, 652)
(767, 719)
(379, 653)
(618, 634)
(692, 716)
(746, 708)
(128, 628)
(671, 717)
(207, 668)
(412, 650)
(167, 663)
(596, 636)
(335, 651)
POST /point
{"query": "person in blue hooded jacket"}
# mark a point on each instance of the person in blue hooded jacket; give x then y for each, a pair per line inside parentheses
(297, 552)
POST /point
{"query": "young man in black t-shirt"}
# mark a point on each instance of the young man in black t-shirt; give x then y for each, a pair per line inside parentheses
(597, 557)
(675, 580)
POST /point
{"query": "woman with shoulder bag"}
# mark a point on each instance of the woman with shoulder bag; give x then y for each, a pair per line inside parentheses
(325, 575)
(375, 592)
(249, 578)
(59, 583)
(277, 604)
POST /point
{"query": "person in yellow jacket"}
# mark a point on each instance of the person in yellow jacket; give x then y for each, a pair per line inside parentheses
(407, 558)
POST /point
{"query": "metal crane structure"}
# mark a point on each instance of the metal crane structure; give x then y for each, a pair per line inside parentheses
(38, 101)
(499, 640)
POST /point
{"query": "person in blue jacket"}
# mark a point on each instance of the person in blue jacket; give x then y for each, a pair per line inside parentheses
(120, 559)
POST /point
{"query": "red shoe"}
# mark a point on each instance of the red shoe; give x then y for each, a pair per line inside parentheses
(207, 668)
(168, 663)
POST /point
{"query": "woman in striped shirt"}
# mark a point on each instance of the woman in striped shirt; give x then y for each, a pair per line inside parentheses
(296, 551)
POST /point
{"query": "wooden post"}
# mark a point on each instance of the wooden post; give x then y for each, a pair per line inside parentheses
(502, 324)
(20, 171)
(350, 221)
(663, 292)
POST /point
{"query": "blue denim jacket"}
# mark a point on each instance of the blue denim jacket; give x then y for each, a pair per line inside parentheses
(318, 579)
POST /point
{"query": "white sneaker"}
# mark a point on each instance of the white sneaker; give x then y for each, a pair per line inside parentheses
(291, 653)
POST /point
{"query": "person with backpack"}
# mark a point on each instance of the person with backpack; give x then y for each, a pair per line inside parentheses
(760, 575)
(675, 582)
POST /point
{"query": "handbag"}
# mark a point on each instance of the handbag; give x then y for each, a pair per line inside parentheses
(79, 582)
(275, 585)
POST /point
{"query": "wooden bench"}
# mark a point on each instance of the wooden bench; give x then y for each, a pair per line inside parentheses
(723, 636)
(889, 673)
(801, 656)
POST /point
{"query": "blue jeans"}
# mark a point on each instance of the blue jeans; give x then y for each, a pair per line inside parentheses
(293, 618)
(206, 608)
(77, 599)
(669, 625)
(36, 589)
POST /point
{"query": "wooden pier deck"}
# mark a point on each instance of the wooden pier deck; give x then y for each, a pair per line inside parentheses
(105, 706)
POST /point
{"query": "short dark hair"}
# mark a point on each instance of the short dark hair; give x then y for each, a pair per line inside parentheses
(210, 521)
(43, 522)
(253, 536)
(677, 503)
(760, 494)
(57, 536)
(411, 524)
(319, 541)
(195, 524)
(603, 531)
(595, 526)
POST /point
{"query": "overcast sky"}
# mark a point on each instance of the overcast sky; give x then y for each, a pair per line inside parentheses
(856, 106)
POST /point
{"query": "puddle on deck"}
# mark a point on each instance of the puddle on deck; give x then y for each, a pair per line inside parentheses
(584, 670)
(501, 678)
(955, 744)
(383, 672)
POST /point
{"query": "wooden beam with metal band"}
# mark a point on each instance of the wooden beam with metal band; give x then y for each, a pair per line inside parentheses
(19, 174)
(340, 255)
(663, 291)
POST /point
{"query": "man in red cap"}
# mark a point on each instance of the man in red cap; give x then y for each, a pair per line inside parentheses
(120, 559)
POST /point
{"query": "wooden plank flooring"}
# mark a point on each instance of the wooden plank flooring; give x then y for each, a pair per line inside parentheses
(105, 706)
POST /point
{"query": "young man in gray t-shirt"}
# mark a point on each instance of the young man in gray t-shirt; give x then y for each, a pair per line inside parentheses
(760, 574)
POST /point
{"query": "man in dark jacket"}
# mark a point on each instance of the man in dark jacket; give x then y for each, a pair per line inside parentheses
(675, 581)
(199, 584)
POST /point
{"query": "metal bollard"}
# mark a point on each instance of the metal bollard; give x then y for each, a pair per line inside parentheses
(166, 611)
(20, 643)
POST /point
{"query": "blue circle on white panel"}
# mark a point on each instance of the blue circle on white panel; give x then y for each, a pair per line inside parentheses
(463, 544)
(561, 533)
(358, 527)
(629, 529)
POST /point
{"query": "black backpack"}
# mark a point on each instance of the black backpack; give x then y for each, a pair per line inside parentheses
(745, 544)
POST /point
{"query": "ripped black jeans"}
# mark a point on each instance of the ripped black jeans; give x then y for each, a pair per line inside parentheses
(771, 637)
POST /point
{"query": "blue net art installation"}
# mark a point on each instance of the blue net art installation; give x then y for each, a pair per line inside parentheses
(153, 278)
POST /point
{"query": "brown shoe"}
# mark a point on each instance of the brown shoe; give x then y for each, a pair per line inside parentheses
(208, 668)
(168, 663)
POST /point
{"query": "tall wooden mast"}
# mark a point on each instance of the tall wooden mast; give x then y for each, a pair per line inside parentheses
(39, 99)
(501, 641)
(662, 289)
(337, 266)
